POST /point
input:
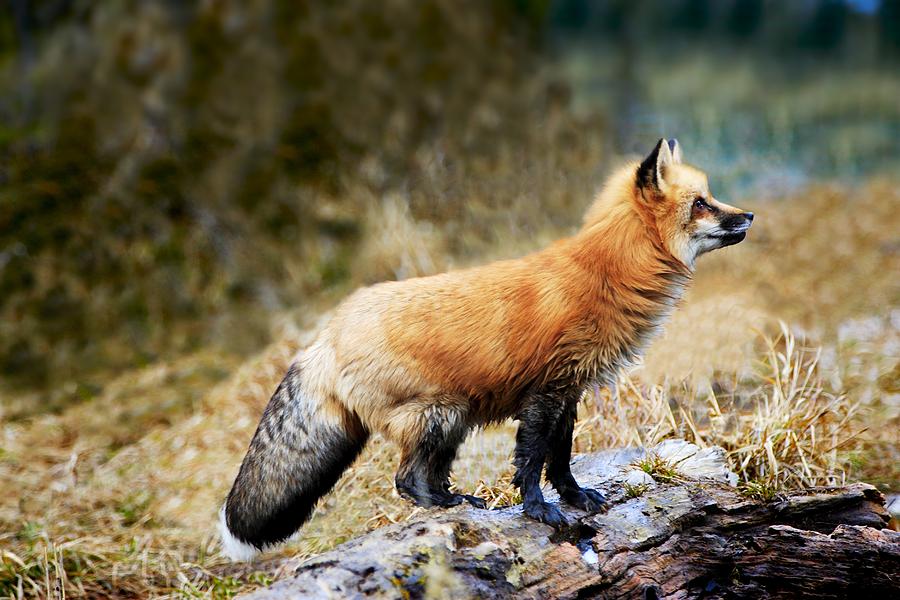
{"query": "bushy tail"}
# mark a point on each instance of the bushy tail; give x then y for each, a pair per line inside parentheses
(296, 456)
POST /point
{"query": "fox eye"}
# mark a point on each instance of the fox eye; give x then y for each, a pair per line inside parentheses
(700, 203)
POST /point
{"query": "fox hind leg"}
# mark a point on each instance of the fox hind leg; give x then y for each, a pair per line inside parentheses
(439, 463)
(558, 469)
(424, 473)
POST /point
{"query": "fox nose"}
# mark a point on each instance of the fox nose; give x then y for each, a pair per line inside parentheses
(748, 216)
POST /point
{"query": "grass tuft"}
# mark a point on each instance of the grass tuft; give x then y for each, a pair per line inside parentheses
(659, 468)
(760, 490)
(635, 490)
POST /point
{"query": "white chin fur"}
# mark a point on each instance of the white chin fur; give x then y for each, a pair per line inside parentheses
(234, 548)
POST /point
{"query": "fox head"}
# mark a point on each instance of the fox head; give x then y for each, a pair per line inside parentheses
(677, 200)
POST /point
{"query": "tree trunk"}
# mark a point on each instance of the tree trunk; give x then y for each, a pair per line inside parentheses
(695, 537)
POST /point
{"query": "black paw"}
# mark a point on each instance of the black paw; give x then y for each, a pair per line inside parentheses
(474, 500)
(448, 500)
(545, 513)
(586, 499)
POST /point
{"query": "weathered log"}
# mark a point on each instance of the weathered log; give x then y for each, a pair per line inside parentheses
(695, 537)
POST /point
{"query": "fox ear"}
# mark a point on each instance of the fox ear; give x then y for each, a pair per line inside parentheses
(650, 172)
(675, 147)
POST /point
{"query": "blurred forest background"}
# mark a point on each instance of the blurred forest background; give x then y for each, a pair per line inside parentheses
(187, 187)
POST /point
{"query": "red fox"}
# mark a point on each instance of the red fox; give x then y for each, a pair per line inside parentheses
(423, 361)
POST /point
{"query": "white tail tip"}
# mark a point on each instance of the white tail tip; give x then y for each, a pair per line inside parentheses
(234, 548)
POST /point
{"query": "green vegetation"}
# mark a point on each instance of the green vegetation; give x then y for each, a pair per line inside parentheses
(659, 468)
(215, 169)
(764, 491)
(635, 490)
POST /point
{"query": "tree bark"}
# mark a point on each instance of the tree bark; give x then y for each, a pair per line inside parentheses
(695, 537)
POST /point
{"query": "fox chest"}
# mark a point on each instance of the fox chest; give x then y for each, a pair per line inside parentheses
(595, 351)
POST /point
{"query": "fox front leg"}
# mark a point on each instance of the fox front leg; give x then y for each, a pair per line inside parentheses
(537, 421)
(558, 469)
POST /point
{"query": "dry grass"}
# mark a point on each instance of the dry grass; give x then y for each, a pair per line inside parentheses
(117, 496)
(780, 426)
(793, 435)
